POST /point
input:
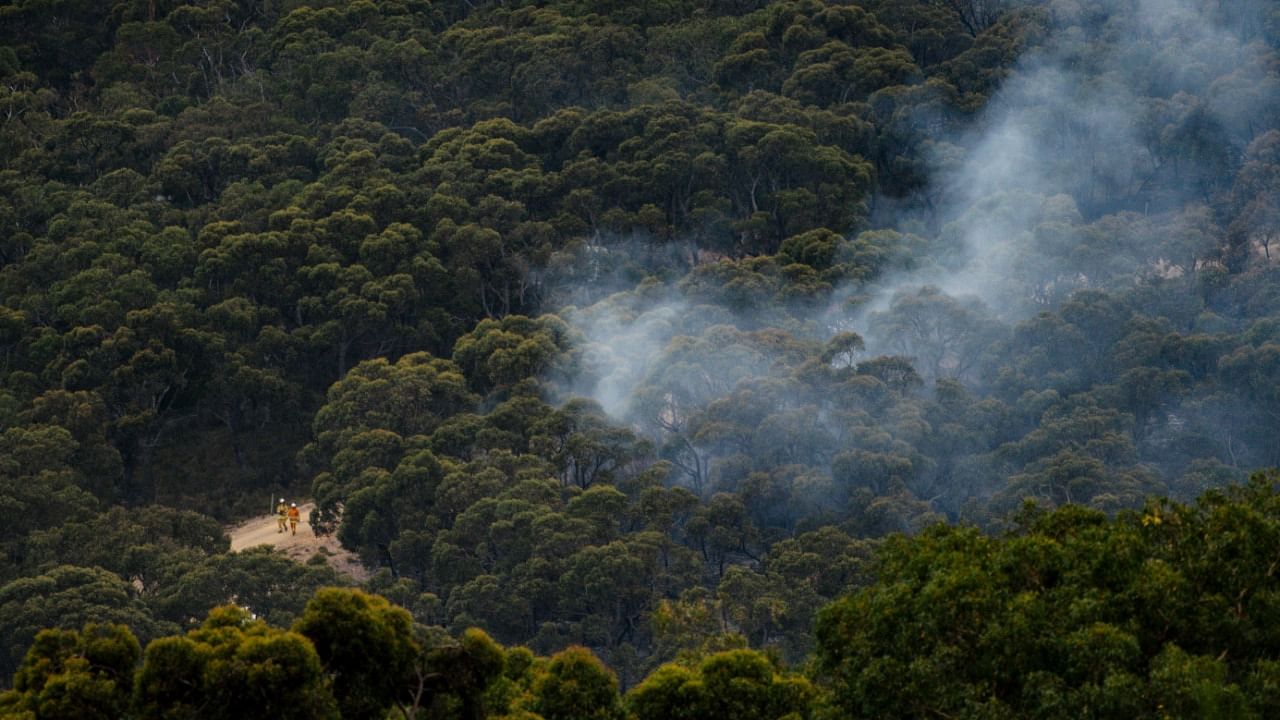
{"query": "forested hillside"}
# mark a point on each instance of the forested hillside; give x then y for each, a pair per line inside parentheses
(649, 327)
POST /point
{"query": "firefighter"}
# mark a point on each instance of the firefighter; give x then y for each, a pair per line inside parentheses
(282, 515)
(294, 515)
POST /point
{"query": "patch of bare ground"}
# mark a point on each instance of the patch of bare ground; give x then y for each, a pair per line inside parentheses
(262, 530)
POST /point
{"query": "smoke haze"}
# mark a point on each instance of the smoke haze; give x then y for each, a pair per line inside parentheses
(1062, 138)
(1056, 146)
(1059, 185)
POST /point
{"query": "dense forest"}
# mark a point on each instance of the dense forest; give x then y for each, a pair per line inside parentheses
(676, 358)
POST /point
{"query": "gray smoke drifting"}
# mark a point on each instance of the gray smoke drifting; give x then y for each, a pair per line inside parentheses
(1060, 134)
(1026, 195)
(1064, 144)
(622, 346)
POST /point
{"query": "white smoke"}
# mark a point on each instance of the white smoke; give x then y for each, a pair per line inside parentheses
(1064, 140)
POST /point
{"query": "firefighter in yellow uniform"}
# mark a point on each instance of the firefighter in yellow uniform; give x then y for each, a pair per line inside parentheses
(282, 515)
(294, 514)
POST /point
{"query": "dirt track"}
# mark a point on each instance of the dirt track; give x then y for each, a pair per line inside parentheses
(262, 531)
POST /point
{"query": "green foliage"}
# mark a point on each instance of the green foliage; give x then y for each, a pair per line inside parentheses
(501, 353)
(576, 686)
(233, 666)
(365, 646)
(386, 249)
(463, 671)
(69, 597)
(725, 685)
(135, 544)
(271, 584)
(75, 674)
(1162, 612)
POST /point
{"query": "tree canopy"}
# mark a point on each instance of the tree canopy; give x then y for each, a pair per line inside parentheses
(617, 340)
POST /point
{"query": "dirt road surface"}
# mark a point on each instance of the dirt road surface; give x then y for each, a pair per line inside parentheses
(262, 531)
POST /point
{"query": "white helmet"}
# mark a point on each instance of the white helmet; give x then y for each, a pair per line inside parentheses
(293, 504)
(281, 499)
